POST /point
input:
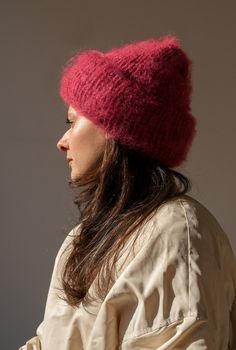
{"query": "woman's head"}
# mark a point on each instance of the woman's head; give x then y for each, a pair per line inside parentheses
(83, 143)
(139, 94)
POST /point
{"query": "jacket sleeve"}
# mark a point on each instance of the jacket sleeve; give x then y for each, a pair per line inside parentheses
(165, 297)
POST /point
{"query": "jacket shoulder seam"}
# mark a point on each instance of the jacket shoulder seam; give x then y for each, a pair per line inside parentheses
(188, 240)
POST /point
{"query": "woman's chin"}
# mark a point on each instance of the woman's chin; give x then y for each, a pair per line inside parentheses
(75, 175)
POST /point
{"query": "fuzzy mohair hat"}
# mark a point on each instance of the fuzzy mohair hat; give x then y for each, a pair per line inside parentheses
(139, 94)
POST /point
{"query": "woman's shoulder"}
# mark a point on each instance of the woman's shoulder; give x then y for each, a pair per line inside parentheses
(184, 224)
(166, 227)
(187, 224)
(186, 218)
(187, 209)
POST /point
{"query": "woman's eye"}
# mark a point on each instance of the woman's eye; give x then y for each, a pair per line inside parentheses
(68, 121)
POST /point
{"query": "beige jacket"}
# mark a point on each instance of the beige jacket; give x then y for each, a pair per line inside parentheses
(175, 290)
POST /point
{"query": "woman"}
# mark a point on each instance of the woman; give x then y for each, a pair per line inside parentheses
(146, 266)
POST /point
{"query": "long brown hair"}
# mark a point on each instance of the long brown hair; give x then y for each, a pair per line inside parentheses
(122, 190)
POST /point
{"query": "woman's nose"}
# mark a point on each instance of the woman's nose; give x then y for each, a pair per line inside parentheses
(62, 145)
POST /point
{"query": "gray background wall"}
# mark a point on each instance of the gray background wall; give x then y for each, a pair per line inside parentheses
(36, 207)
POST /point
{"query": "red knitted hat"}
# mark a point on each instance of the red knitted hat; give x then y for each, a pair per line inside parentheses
(139, 94)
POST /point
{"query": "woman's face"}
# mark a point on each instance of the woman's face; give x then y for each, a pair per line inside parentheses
(83, 143)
